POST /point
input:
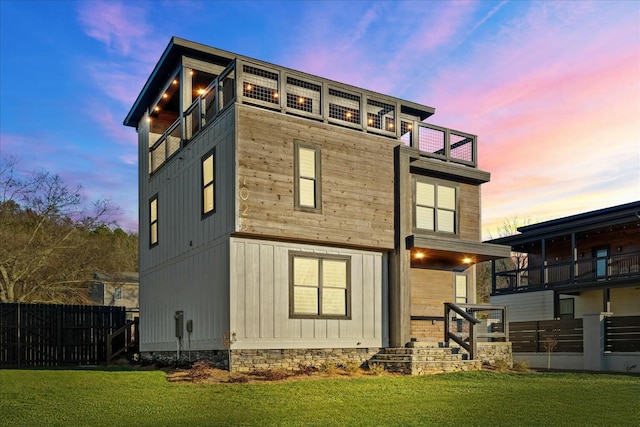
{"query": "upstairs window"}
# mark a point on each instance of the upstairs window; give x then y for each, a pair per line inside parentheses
(208, 181)
(307, 179)
(320, 286)
(436, 207)
(153, 221)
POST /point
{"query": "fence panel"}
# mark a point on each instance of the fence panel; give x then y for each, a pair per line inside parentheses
(35, 335)
(622, 334)
(538, 336)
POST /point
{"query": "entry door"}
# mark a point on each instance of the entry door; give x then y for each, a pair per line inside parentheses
(601, 255)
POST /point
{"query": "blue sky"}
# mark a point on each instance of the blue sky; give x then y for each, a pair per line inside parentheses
(552, 89)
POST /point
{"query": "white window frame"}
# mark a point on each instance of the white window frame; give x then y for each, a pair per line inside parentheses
(205, 186)
(153, 221)
(457, 297)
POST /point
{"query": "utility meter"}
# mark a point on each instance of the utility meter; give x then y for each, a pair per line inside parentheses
(179, 316)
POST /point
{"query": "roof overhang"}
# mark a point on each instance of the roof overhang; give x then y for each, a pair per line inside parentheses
(451, 254)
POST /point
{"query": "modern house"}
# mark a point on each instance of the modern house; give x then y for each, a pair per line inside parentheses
(298, 216)
(568, 267)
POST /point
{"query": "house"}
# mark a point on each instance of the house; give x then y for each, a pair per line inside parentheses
(116, 289)
(572, 266)
(300, 217)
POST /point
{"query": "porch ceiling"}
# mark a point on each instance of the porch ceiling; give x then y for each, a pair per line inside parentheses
(451, 254)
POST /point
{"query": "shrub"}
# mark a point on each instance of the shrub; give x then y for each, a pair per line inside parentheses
(304, 369)
(501, 365)
(376, 369)
(327, 367)
(272, 374)
(521, 365)
(352, 366)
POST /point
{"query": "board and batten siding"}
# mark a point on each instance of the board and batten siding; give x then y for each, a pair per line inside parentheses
(259, 299)
(178, 184)
(356, 179)
(527, 306)
(198, 285)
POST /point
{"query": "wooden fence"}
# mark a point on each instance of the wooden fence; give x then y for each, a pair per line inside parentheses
(622, 334)
(34, 335)
(536, 336)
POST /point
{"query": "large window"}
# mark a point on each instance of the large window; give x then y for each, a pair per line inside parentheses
(208, 181)
(436, 207)
(320, 286)
(566, 308)
(307, 178)
(153, 221)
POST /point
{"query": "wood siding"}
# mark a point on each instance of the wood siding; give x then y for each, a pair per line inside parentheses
(356, 174)
(430, 289)
(260, 299)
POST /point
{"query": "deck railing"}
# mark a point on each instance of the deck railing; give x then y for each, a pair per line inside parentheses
(461, 324)
(583, 271)
(294, 94)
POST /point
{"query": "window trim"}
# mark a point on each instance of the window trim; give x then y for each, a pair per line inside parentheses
(571, 313)
(320, 258)
(437, 183)
(211, 153)
(152, 223)
(317, 179)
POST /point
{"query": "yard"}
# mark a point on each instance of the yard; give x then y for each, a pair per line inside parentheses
(146, 398)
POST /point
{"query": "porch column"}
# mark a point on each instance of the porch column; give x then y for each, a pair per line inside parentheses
(574, 259)
(593, 341)
(543, 272)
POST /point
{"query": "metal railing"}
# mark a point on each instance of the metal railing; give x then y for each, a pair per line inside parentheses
(466, 320)
(304, 96)
(592, 270)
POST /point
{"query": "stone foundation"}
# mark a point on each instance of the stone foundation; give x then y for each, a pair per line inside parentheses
(492, 353)
(251, 360)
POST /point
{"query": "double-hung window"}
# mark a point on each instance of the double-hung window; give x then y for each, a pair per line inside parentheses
(208, 181)
(461, 289)
(320, 286)
(307, 178)
(436, 207)
(153, 221)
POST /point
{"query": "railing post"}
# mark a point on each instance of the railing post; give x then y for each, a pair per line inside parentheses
(446, 324)
(473, 338)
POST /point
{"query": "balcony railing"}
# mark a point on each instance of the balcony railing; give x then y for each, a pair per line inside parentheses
(581, 272)
(320, 100)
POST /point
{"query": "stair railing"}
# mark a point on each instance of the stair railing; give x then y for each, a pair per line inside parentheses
(131, 335)
(466, 313)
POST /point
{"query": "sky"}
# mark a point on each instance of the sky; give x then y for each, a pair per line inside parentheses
(552, 89)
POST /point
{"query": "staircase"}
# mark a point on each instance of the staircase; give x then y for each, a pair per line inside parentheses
(424, 358)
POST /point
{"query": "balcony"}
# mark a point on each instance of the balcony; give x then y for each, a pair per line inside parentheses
(580, 274)
(309, 97)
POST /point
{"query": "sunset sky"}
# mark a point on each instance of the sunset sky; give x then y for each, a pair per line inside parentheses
(552, 89)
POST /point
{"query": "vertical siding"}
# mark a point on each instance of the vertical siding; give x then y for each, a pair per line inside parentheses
(260, 299)
(527, 305)
(198, 285)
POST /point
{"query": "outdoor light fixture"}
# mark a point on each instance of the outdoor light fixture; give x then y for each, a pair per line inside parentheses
(466, 260)
(275, 94)
(419, 255)
(301, 100)
(348, 115)
(409, 126)
(201, 91)
(165, 96)
(249, 87)
(175, 82)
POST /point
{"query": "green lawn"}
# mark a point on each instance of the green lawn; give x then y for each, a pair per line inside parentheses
(145, 398)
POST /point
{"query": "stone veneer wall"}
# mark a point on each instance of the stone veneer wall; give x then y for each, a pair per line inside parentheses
(491, 352)
(251, 360)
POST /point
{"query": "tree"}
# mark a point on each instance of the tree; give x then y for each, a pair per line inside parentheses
(51, 243)
(517, 261)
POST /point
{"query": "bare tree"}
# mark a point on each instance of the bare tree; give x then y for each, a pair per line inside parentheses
(48, 245)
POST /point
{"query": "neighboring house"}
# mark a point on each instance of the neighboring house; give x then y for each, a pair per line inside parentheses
(116, 289)
(295, 212)
(573, 266)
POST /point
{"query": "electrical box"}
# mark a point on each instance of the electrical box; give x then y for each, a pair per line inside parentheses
(179, 316)
(189, 326)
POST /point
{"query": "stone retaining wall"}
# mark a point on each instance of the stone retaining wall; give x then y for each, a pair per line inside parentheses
(492, 353)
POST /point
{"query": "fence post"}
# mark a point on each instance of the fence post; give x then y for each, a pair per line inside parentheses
(593, 339)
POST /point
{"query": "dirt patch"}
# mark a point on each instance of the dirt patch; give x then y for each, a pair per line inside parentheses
(202, 373)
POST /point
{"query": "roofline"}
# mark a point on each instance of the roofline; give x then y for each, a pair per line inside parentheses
(178, 47)
(613, 215)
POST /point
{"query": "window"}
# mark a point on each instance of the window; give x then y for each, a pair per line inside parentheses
(153, 221)
(117, 293)
(461, 289)
(320, 286)
(208, 180)
(436, 206)
(307, 179)
(566, 308)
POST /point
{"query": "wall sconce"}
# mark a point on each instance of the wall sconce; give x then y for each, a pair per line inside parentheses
(619, 248)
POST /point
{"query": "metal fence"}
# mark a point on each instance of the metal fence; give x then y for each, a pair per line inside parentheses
(42, 335)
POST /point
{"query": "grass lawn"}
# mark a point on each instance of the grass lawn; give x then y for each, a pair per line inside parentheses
(146, 398)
